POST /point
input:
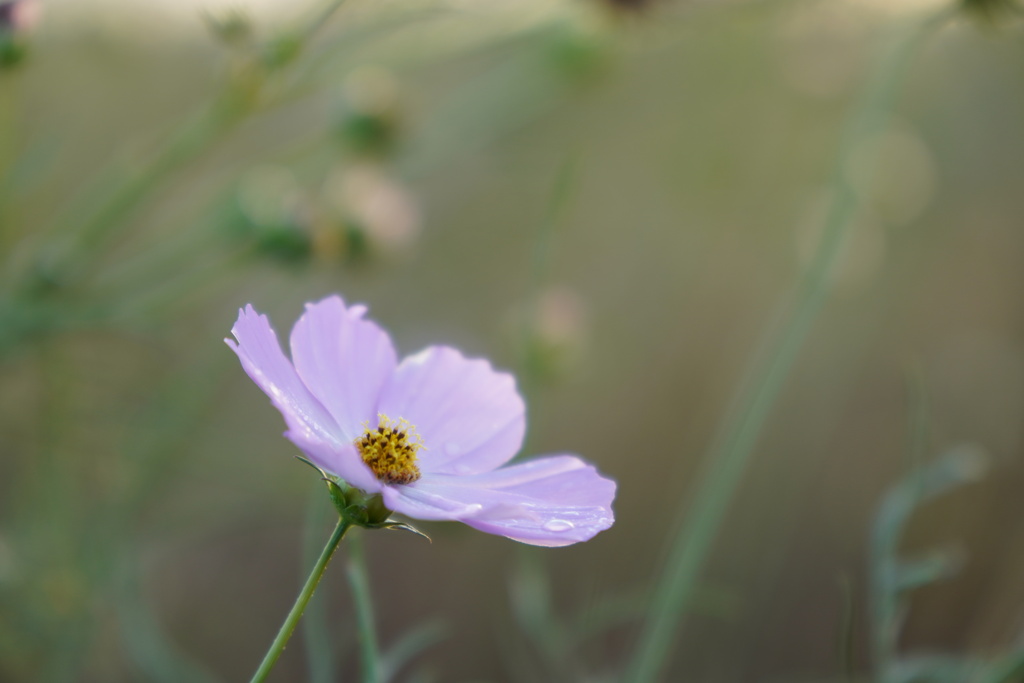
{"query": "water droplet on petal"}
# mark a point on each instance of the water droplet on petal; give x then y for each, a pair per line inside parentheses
(558, 525)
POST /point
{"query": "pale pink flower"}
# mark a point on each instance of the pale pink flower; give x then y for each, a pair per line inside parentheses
(430, 434)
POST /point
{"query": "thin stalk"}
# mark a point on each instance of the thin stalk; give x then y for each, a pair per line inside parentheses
(365, 623)
(292, 620)
(769, 370)
(185, 145)
(321, 18)
(530, 375)
(317, 637)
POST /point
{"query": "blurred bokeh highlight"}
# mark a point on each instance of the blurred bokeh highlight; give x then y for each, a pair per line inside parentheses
(614, 200)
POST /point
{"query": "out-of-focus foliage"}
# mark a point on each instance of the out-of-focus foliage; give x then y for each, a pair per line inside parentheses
(611, 203)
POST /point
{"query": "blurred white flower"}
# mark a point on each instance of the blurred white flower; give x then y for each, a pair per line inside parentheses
(556, 326)
(561, 317)
(376, 204)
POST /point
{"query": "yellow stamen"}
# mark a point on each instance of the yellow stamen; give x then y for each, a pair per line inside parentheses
(390, 450)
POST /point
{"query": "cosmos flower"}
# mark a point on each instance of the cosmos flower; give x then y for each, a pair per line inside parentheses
(429, 434)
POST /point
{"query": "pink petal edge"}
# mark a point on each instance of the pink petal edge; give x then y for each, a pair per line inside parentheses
(260, 353)
(310, 426)
(552, 501)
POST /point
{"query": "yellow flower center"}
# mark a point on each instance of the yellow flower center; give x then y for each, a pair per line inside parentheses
(390, 450)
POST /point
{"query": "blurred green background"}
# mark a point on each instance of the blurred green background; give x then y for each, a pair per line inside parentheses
(613, 201)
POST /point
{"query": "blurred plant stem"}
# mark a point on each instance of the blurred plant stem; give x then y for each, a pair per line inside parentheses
(61, 266)
(185, 144)
(531, 372)
(292, 620)
(140, 300)
(51, 483)
(143, 636)
(320, 18)
(532, 605)
(894, 577)
(770, 365)
(360, 584)
(319, 653)
(1007, 670)
(9, 94)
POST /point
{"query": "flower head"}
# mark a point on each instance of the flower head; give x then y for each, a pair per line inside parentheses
(428, 434)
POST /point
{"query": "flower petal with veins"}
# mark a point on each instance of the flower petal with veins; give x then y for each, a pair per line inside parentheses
(430, 434)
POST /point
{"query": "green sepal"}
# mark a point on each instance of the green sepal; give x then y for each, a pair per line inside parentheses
(306, 461)
(341, 496)
(404, 526)
(340, 501)
(358, 507)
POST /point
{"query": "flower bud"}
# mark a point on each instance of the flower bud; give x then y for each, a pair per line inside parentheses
(358, 507)
(370, 118)
(993, 10)
(374, 212)
(269, 211)
(232, 28)
(557, 326)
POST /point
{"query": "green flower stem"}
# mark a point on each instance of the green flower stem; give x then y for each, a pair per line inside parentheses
(315, 630)
(232, 107)
(360, 584)
(765, 378)
(277, 647)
